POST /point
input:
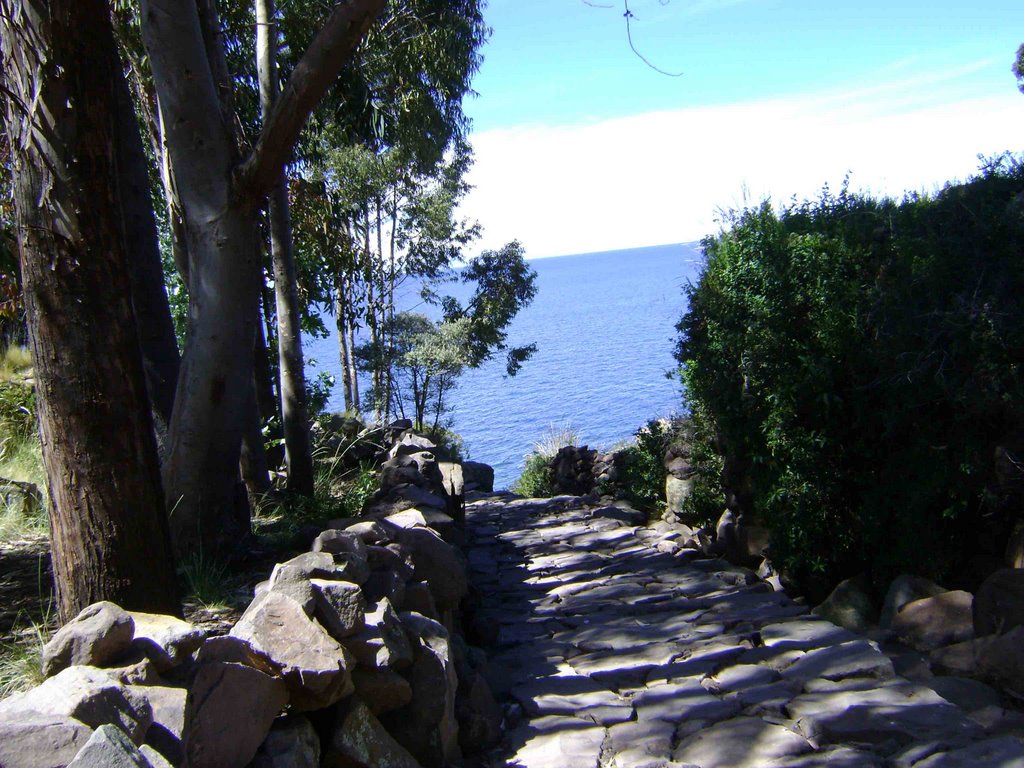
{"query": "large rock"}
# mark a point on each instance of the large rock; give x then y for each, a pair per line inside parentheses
(437, 563)
(478, 476)
(427, 726)
(108, 747)
(934, 622)
(339, 606)
(87, 694)
(338, 542)
(1001, 660)
(35, 740)
(168, 729)
(452, 486)
(903, 590)
(382, 641)
(849, 606)
(167, 641)
(999, 604)
(381, 689)
(677, 491)
(315, 667)
(97, 636)
(360, 741)
(291, 743)
(479, 717)
(229, 712)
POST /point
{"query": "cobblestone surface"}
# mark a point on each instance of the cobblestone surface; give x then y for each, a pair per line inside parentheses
(615, 654)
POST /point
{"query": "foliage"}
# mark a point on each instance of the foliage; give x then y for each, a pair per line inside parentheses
(536, 479)
(643, 470)
(1018, 68)
(21, 659)
(858, 361)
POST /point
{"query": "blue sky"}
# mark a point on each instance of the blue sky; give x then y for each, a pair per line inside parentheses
(581, 147)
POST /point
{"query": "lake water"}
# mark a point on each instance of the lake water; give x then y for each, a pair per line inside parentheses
(604, 327)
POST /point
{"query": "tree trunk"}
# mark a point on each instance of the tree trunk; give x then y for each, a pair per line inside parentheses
(108, 532)
(294, 417)
(145, 268)
(341, 321)
(219, 196)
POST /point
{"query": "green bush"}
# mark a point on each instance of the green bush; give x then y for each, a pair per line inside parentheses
(536, 480)
(855, 362)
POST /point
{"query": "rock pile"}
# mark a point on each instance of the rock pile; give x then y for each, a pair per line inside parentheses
(349, 655)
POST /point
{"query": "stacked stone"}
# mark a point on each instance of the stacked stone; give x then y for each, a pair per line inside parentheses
(614, 647)
(349, 655)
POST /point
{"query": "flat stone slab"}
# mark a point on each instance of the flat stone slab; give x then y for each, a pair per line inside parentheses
(746, 742)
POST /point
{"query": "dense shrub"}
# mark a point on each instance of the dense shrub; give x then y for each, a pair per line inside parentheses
(855, 362)
(537, 479)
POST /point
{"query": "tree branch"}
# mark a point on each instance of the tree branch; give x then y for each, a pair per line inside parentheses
(313, 75)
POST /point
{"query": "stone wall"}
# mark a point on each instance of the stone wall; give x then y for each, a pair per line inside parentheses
(350, 655)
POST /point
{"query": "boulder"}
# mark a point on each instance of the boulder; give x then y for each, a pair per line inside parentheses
(677, 491)
(479, 717)
(229, 712)
(97, 636)
(168, 729)
(905, 589)
(167, 641)
(999, 604)
(407, 518)
(1001, 660)
(437, 563)
(370, 532)
(393, 557)
(381, 689)
(36, 740)
(478, 476)
(382, 641)
(315, 667)
(385, 584)
(360, 741)
(339, 606)
(291, 743)
(453, 488)
(338, 542)
(427, 726)
(108, 747)
(88, 695)
(934, 622)
(419, 599)
(849, 605)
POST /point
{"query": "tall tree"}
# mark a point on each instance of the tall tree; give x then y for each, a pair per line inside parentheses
(294, 418)
(64, 83)
(219, 193)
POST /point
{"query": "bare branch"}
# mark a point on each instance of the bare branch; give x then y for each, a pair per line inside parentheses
(629, 36)
(313, 75)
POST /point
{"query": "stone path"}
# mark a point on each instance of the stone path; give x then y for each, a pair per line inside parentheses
(620, 653)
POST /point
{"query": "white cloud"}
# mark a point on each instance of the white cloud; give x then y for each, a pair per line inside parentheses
(660, 177)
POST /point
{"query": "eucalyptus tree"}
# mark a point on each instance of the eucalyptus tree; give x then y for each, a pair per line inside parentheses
(76, 228)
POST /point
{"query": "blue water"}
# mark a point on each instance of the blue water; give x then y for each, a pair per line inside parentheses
(603, 325)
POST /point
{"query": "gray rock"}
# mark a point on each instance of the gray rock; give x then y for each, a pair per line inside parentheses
(1004, 752)
(437, 563)
(478, 476)
(999, 605)
(108, 747)
(382, 641)
(97, 636)
(728, 744)
(385, 584)
(905, 589)
(969, 695)
(418, 599)
(35, 740)
(340, 542)
(86, 694)
(857, 658)
(479, 717)
(934, 622)
(381, 689)
(291, 743)
(370, 532)
(229, 713)
(804, 635)
(360, 741)
(166, 640)
(168, 728)
(339, 606)
(154, 758)
(1001, 660)
(849, 606)
(315, 667)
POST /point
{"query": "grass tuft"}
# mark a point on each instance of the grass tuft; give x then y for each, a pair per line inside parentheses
(21, 655)
(209, 582)
(15, 363)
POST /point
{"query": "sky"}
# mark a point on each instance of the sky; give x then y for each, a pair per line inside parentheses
(582, 147)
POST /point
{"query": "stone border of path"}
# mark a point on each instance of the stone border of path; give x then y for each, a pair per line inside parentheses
(350, 655)
(613, 648)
